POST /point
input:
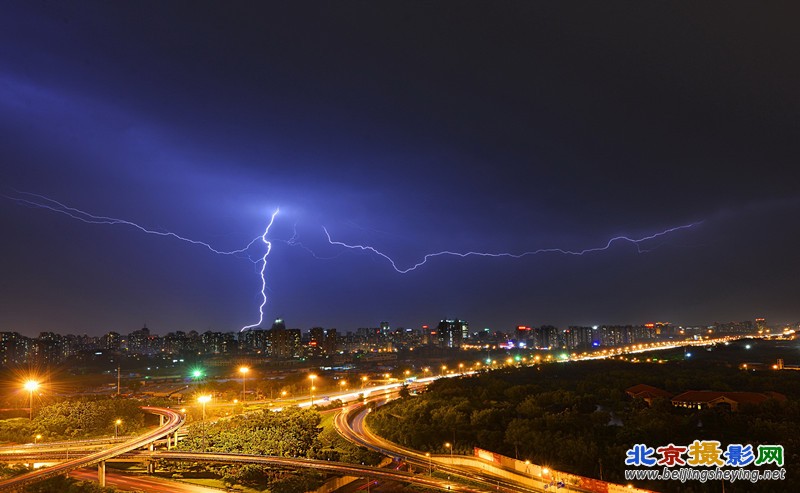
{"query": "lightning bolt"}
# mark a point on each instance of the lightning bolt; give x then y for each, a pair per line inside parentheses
(93, 219)
(636, 241)
(89, 218)
(263, 279)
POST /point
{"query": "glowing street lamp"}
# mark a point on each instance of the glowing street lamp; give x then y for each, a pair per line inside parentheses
(243, 370)
(283, 393)
(343, 384)
(363, 381)
(450, 446)
(312, 377)
(204, 399)
(116, 427)
(430, 464)
(36, 439)
(31, 386)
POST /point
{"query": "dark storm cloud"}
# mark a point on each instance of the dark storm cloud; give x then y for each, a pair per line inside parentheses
(411, 127)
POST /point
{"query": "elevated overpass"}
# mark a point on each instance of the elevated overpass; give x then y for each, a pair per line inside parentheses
(170, 422)
(342, 468)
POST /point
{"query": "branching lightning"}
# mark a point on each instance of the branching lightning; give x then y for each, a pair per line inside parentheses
(40, 201)
(86, 217)
(263, 279)
(93, 219)
(636, 241)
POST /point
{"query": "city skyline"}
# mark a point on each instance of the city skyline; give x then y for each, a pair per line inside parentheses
(408, 129)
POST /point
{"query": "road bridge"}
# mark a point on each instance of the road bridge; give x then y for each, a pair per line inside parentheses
(170, 422)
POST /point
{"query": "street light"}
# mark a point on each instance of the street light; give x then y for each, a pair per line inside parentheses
(450, 446)
(36, 439)
(243, 370)
(31, 386)
(343, 384)
(430, 464)
(116, 427)
(204, 399)
(363, 381)
(312, 377)
(283, 393)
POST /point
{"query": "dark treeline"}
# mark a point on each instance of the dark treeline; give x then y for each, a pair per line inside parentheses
(576, 417)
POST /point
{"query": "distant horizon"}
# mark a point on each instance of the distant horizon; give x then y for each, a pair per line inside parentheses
(393, 327)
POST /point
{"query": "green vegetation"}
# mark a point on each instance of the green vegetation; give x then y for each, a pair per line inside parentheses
(292, 432)
(573, 416)
(74, 419)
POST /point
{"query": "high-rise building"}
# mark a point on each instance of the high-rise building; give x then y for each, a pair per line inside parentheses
(331, 341)
(13, 348)
(547, 337)
(578, 338)
(451, 333)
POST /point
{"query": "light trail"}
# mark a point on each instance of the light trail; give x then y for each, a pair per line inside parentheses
(636, 241)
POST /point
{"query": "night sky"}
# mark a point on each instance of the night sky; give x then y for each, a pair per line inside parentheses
(413, 127)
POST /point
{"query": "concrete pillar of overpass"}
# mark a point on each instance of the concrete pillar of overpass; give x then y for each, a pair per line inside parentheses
(151, 447)
(160, 420)
(101, 473)
(151, 467)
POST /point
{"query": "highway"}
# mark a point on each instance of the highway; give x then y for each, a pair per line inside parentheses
(173, 422)
(341, 468)
(149, 484)
(350, 424)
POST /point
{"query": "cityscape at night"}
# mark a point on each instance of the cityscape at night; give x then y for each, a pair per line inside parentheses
(399, 246)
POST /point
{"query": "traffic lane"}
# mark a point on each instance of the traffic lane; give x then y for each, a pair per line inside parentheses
(144, 483)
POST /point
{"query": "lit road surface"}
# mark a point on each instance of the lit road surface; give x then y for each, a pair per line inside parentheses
(174, 421)
(341, 468)
(91, 442)
(350, 424)
(142, 483)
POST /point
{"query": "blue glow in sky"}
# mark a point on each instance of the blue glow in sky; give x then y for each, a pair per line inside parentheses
(414, 129)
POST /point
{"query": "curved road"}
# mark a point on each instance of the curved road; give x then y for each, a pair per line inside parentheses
(350, 424)
(342, 468)
(174, 421)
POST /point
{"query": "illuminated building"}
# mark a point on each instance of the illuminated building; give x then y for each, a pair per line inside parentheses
(451, 333)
